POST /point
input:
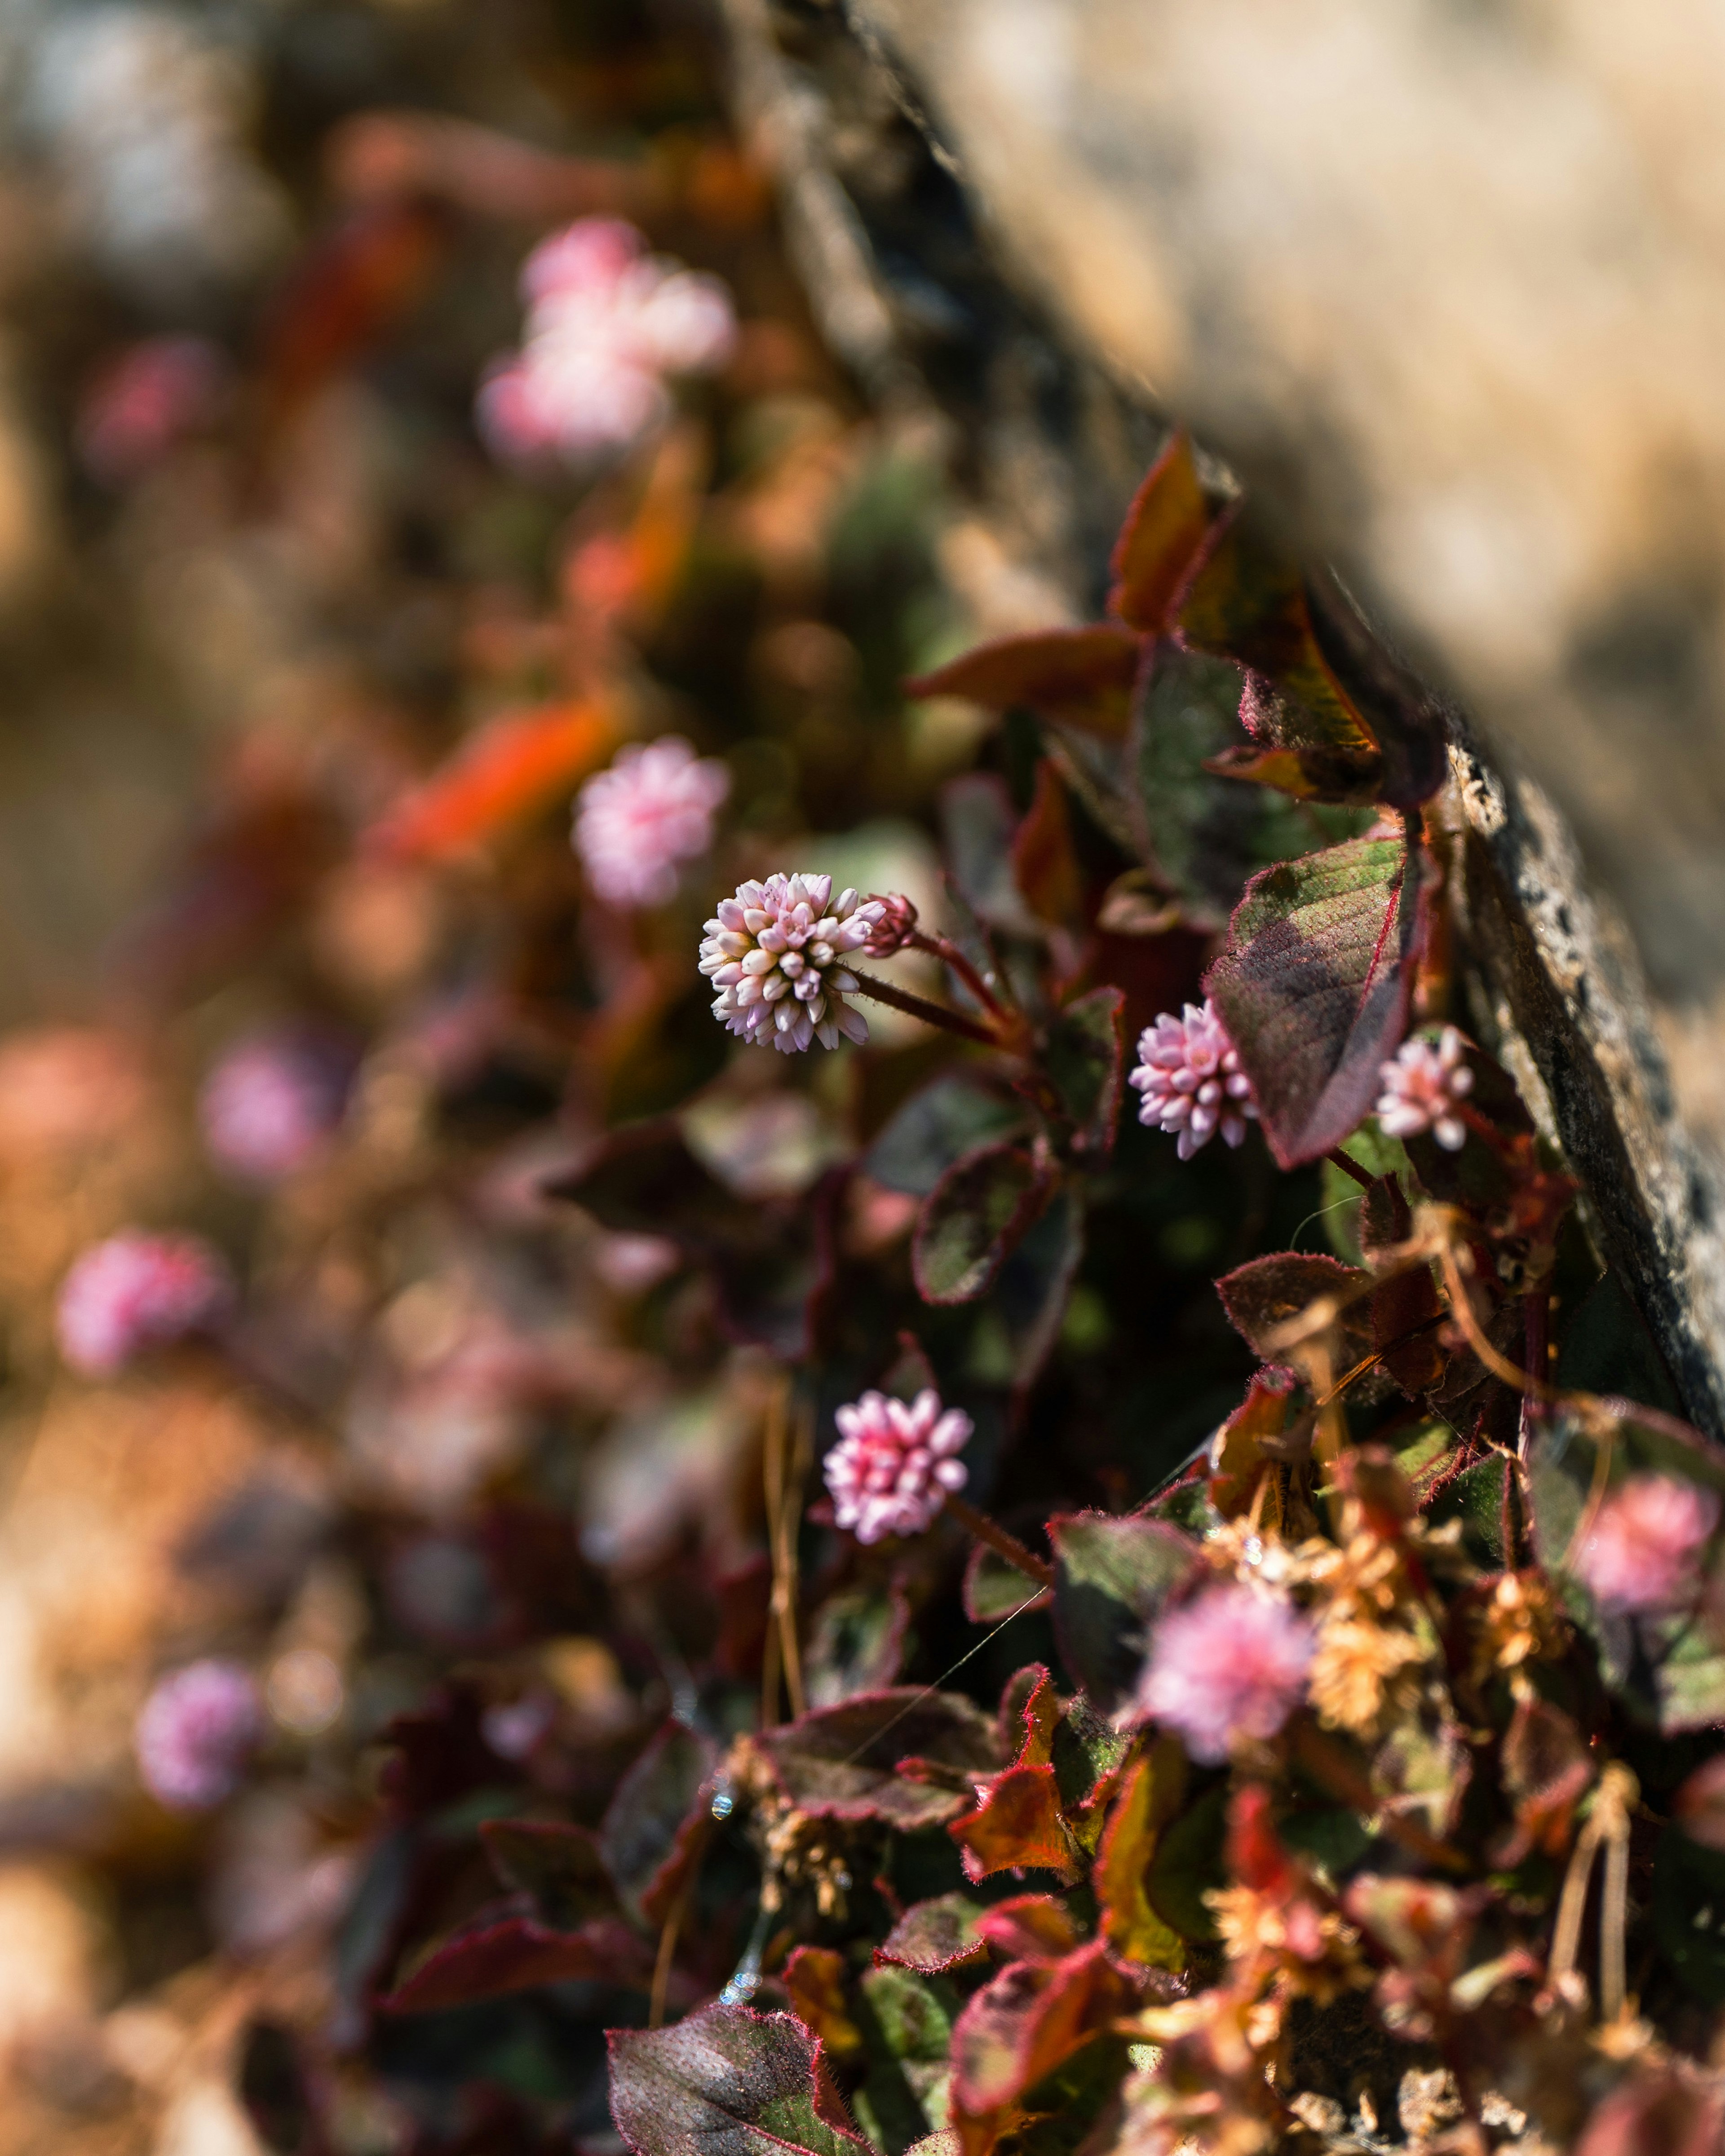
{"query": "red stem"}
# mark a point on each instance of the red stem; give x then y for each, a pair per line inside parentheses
(949, 954)
(883, 992)
(1002, 1544)
(1340, 1159)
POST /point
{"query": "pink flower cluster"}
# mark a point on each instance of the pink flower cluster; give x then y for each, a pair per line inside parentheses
(1228, 1665)
(1641, 1550)
(1189, 1075)
(653, 809)
(776, 955)
(607, 326)
(136, 1292)
(1422, 1085)
(197, 1730)
(154, 394)
(270, 1105)
(891, 1474)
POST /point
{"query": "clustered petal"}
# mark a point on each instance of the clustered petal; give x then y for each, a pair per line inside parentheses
(1641, 1553)
(653, 809)
(1189, 1075)
(1232, 1663)
(775, 954)
(891, 1474)
(134, 1292)
(195, 1733)
(896, 927)
(607, 325)
(271, 1103)
(1422, 1085)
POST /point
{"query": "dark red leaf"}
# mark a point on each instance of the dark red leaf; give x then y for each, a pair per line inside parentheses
(517, 1954)
(1020, 1822)
(728, 2083)
(1044, 865)
(974, 1218)
(1084, 1061)
(561, 1866)
(1315, 984)
(1265, 1292)
(1028, 1927)
(935, 1936)
(654, 1824)
(1081, 677)
(907, 1757)
(1160, 539)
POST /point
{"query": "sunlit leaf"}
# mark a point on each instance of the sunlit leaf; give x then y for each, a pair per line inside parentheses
(728, 2083)
(1149, 1799)
(1081, 677)
(1160, 539)
(1020, 1822)
(973, 1219)
(934, 1936)
(910, 1757)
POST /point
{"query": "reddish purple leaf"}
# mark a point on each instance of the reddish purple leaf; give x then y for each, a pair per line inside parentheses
(1028, 1927)
(1018, 1823)
(1081, 677)
(728, 2083)
(910, 1757)
(974, 1218)
(1315, 984)
(656, 1816)
(1160, 540)
(1265, 1292)
(1033, 2015)
(502, 1954)
(561, 1866)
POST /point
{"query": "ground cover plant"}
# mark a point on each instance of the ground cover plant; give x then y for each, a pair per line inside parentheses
(873, 1419)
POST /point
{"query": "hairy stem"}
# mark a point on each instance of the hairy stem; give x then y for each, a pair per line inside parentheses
(883, 992)
(1349, 1167)
(1002, 1544)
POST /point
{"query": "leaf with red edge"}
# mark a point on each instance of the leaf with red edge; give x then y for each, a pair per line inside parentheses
(1084, 1061)
(1264, 1293)
(512, 766)
(1112, 1576)
(994, 1590)
(935, 1936)
(1246, 601)
(1030, 1927)
(910, 1757)
(1160, 540)
(561, 1867)
(499, 1954)
(1080, 677)
(728, 2083)
(1260, 1421)
(1315, 985)
(656, 1817)
(1149, 1799)
(974, 1218)
(1021, 2024)
(814, 1979)
(1020, 1822)
(1044, 865)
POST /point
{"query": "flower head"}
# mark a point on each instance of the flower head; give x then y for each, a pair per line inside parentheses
(148, 399)
(898, 926)
(1231, 1663)
(196, 1731)
(134, 1291)
(1641, 1551)
(775, 954)
(891, 1474)
(270, 1104)
(1421, 1086)
(653, 809)
(607, 324)
(1189, 1075)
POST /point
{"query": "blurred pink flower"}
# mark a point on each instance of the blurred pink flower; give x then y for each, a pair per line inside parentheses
(195, 1733)
(136, 1292)
(1189, 1075)
(1421, 1086)
(775, 954)
(151, 396)
(1229, 1664)
(271, 1103)
(891, 1473)
(607, 325)
(1641, 1551)
(653, 809)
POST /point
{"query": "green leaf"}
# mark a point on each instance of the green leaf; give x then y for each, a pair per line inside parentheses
(1112, 1576)
(726, 2082)
(1085, 1061)
(973, 1219)
(1187, 1863)
(935, 1127)
(935, 1936)
(1315, 986)
(1689, 1912)
(857, 1644)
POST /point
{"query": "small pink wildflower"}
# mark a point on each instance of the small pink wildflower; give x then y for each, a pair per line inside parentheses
(1641, 1551)
(891, 1474)
(195, 1733)
(898, 926)
(607, 325)
(1189, 1075)
(149, 397)
(776, 955)
(270, 1104)
(653, 809)
(1422, 1085)
(136, 1292)
(1229, 1664)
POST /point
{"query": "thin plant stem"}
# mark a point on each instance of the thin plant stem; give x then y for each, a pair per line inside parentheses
(1348, 1167)
(901, 999)
(783, 1490)
(667, 1952)
(944, 948)
(985, 1530)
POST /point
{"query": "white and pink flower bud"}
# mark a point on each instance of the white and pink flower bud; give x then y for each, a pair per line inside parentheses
(134, 1291)
(196, 1732)
(895, 1465)
(1230, 1664)
(776, 953)
(898, 926)
(1189, 1075)
(1422, 1086)
(652, 810)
